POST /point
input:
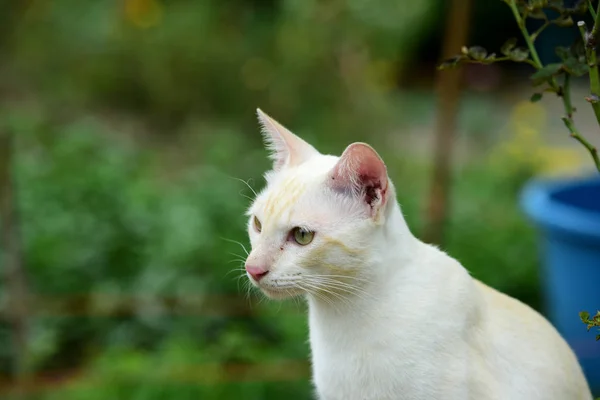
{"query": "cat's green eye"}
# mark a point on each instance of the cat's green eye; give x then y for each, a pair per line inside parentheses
(302, 236)
(257, 225)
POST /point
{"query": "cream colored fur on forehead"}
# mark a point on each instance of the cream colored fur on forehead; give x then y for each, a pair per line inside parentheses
(356, 181)
(285, 188)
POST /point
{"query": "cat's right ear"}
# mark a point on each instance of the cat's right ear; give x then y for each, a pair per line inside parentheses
(287, 149)
(361, 173)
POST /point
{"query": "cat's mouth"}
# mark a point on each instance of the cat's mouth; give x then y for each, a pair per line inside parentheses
(279, 292)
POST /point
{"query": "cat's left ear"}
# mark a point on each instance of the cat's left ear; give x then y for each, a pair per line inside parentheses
(287, 149)
(363, 174)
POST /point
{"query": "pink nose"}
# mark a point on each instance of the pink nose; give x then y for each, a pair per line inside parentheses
(256, 272)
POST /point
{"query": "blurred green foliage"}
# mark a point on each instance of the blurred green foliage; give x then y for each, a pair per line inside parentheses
(218, 59)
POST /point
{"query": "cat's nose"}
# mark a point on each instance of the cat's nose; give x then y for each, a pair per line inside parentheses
(256, 272)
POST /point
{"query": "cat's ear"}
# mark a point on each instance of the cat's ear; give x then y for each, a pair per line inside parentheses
(287, 149)
(362, 173)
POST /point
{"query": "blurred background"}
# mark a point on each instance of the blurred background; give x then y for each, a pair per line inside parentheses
(135, 150)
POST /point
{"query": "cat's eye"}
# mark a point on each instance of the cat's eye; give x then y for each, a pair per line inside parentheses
(302, 236)
(257, 225)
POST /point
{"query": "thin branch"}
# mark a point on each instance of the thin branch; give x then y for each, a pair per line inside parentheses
(591, 39)
(591, 8)
(596, 27)
(576, 135)
(566, 96)
(568, 120)
(532, 50)
(537, 33)
(526, 36)
(491, 61)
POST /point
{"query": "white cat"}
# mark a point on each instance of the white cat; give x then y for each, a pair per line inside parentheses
(390, 316)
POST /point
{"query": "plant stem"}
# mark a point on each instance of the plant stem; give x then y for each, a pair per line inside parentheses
(566, 96)
(537, 33)
(526, 36)
(596, 24)
(529, 41)
(568, 120)
(590, 40)
(576, 135)
(591, 8)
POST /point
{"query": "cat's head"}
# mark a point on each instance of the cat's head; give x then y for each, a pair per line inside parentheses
(314, 226)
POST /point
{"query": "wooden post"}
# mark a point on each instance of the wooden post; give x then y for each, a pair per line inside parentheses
(448, 87)
(15, 282)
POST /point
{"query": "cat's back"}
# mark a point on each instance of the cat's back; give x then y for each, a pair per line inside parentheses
(528, 356)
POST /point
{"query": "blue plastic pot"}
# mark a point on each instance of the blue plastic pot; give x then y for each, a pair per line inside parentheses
(567, 213)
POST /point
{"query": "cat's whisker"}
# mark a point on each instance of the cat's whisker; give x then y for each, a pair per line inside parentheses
(357, 278)
(238, 258)
(240, 269)
(238, 243)
(315, 292)
(351, 289)
(297, 301)
(328, 279)
(323, 290)
(247, 184)
(246, 196)
(343, 297)
(247, 288)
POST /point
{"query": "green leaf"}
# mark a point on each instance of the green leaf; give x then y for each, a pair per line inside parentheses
(519, 54)
(452, 62)
(537, 14)
(564, 53)
(575, 67)
(536, 97)
(584, 316)
(546, 72)
(563, 21)
(508, 46)
(597, 337)
(477, 53)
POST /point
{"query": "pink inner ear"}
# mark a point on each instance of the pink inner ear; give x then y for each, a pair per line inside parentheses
(362, 171)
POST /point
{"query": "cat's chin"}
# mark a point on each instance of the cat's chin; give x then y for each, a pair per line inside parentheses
(281, 294)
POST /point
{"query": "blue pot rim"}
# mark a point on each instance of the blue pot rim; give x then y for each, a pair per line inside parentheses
(553, 215)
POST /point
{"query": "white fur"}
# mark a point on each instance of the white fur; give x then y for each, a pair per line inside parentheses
(390, 316)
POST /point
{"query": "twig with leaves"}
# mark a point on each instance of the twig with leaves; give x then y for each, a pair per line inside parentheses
(576, 60)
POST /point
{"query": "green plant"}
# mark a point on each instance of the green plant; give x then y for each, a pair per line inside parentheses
(593, 322)
(577, 60)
